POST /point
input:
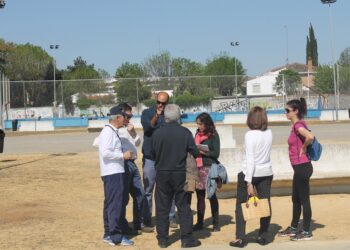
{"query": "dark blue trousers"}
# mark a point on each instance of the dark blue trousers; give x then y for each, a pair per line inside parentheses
(133, 186)
(113, 208)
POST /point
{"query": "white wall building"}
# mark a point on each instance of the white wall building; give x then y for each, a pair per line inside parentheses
(263, 85)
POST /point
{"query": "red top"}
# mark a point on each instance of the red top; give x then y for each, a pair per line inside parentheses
(295, 143)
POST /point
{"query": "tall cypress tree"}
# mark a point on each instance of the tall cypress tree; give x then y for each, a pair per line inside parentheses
(311, 47)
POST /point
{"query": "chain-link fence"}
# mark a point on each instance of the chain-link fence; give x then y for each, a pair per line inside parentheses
(94, 97)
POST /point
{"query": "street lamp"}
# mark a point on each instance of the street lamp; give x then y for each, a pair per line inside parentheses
(329, 2)
(235, 44)
(54, 77)
(2, 4)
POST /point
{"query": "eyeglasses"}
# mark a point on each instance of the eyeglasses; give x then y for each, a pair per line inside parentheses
(288, 111)
(163, 103)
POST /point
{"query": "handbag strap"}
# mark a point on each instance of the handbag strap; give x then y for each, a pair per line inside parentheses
(107, 125)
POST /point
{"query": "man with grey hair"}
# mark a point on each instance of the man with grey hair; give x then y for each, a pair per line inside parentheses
(170, 145)
(112, 171)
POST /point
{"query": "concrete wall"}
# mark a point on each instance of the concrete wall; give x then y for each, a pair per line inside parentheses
(334, 162)
(329, 115)
(36, 126)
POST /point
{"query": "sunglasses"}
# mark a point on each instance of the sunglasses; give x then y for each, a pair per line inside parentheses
(127, 116)
(163, 103)
(288, 111)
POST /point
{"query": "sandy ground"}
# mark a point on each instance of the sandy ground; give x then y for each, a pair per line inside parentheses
(55, 202)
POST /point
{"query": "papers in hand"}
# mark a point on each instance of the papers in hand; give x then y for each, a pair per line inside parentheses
(203, 147)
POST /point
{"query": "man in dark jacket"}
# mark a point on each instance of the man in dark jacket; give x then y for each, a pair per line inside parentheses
(169, 147)
(151, 120)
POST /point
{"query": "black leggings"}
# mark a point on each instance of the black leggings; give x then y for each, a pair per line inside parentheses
(301, 195)
(214, 205)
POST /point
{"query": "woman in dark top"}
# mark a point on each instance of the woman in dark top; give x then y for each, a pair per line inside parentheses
(206, 135)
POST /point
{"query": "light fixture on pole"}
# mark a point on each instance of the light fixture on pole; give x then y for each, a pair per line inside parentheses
(2, 4)
(54, 77)
(236, 82)
(329, 2)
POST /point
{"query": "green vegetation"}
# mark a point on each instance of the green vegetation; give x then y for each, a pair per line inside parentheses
(289, 84)
(311, 47)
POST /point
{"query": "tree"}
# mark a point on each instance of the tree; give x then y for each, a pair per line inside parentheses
(344, 79)
(5, 49)
(27, 62)
(324, 79)
(129, 86)
(290, 84)
(130, 70)
(344, 71)
(221, 65)
(311, 47)
(80, 70)
(103, 74)
(344, 59)
(186, 67)
(159, 65)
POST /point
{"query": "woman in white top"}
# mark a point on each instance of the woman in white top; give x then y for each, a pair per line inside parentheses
(256, 172)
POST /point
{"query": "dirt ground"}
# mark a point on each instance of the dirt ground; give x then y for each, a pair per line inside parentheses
(55, 202)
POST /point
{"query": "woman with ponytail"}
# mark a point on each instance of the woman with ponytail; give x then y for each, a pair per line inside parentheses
(299, 138)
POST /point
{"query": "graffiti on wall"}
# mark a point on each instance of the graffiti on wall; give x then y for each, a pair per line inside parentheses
(232, 105)
(30, 113)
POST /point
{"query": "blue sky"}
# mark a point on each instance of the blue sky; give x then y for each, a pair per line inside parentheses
(110, 32)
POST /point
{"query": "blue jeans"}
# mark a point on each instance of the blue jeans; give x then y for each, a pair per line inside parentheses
(135, 189)
(149, 181)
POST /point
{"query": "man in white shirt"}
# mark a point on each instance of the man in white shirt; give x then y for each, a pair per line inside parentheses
(133, 184)
(112, 171)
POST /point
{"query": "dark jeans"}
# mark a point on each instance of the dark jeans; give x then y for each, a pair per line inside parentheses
(113, 209)
(301, 195)
(263, 188)
(135, 188)
(170, 184)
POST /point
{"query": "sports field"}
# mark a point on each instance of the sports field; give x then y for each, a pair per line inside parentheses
(54, 201)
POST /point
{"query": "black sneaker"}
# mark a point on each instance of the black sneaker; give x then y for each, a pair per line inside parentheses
(193, 243)
(289, 231)
(163, 244)
(198, 226)
(262, 241)
(238, 243)
(303, 235)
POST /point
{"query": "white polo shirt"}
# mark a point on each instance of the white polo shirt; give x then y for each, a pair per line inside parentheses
(110, 151)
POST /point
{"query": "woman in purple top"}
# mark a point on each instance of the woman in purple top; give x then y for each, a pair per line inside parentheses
(299, 138)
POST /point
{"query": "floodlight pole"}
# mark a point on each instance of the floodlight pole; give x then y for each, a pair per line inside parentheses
(336, 96)
(54, 78)
(236, 80)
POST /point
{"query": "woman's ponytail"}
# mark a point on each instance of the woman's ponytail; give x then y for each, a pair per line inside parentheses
(303, 106)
